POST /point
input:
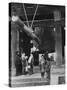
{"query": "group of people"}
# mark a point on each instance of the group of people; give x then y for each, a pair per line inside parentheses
(24, 64)
(27, 63)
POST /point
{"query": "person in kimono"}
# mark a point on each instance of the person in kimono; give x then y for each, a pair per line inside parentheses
(30, 64)
(42, 64)
(24, 62)
(47, 65)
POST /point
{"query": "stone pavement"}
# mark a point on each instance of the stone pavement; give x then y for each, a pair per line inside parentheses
(29, 80)
(36, 80)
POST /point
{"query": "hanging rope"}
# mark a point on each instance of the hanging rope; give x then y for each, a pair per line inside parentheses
(34, 16)
(26, 15)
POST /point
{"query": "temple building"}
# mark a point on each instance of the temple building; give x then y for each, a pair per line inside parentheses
(49, 26)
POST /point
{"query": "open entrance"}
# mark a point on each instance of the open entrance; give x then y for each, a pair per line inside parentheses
(47, 37)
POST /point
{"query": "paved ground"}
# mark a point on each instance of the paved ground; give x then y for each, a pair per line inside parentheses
(35, 79)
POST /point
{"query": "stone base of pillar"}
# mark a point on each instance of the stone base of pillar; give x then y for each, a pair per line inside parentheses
(13, 72)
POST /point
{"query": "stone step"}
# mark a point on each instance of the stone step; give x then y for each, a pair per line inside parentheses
(30, 82)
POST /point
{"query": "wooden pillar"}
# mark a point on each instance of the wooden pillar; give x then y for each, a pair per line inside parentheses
(58, 44)
(17, 40)
(14, 47)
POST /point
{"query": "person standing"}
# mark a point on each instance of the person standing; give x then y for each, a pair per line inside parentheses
(47, 65)
(42, 64)
(30, 64)
(24, 61)
(18, 64)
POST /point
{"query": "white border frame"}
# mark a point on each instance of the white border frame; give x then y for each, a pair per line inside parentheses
(4, 43)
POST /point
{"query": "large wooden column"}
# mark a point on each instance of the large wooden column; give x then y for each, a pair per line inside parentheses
(14, 46)
(17, 40)
(58, 44)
